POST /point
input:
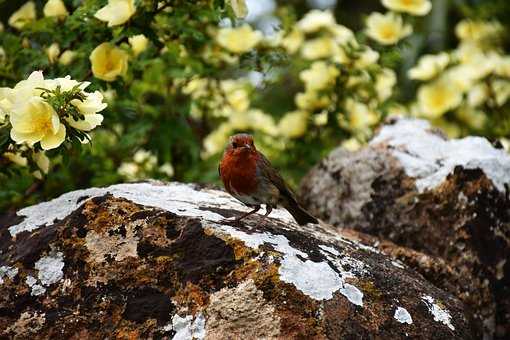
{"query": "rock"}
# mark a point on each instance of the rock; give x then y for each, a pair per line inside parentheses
(447, 200)
(149, 260)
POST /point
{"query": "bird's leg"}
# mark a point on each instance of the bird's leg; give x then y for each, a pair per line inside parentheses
(236, 221)
(268, 211)
(257, 208)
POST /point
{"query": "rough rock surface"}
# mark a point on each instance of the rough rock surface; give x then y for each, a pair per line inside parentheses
(149, 260)
(445, 200)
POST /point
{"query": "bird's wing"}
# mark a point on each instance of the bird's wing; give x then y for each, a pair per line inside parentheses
(272, 174)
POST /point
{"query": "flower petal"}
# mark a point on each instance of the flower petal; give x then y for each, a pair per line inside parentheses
(50, 141)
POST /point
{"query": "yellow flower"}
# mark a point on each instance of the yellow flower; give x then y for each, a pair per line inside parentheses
(478, 31)
(167, 169)
(239, 8)
(343, 35)
(319, 76)
(315, 20)
(311, 101)
(429, 66)
(42, 161)
(293, 124)
(116, 12)
(367, 58)
(384, 83)
(359, 115)
(465, 76)
(351, 144)
(387, 29)
(108, 62)
(501, 89)
(438, 97)
(67, 57)
(503, 67)
(10, 99)
(23, 15)
(293, 41)
(138, 43)
(238, 40)
(53, 52)
(414, 7)
(253, 119)
(216, 140)
(235, 94)
(318, 48)
(89, 107)
(36, 121)
(321, 119)
(55, 8)
(16, 158)
(129, 170)
(477, 95)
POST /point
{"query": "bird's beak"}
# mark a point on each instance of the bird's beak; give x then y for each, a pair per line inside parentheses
(247, 146)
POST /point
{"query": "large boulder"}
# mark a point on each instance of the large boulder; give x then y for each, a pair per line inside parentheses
(444, 199)
(150, 260)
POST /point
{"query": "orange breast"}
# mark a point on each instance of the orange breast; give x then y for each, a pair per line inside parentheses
(239, 172)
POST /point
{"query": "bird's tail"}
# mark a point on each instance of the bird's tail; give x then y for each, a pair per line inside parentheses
(301, 216)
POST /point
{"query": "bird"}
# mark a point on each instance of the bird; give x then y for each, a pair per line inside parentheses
(250, 178)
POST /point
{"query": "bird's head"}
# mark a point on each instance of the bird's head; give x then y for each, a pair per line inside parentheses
(241, 143)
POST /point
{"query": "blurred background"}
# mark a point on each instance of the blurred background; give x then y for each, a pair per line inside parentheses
(304, 77)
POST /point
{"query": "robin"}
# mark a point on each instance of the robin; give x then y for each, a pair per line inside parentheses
(249, 176)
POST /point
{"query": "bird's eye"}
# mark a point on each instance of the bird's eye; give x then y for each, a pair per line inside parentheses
(235, 145)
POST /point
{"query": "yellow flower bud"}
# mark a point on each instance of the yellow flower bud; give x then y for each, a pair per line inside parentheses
(23, 15)
(16, 158)
(138, 43)
(53, 52)
(67, 57)
(116, 12)
(55, 8)
(108, 62)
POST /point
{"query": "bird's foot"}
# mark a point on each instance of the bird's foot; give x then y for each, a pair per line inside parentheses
(233, 222)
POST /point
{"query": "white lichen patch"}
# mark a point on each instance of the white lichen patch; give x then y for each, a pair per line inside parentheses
(6, 271)
(429, 158)
(50, 268)
(403, 316)
(36, 288)
(315, 279)
(178, 198)
(440, 314)
(330, 250)
(352, 294)
(398, 264)
(186, 328)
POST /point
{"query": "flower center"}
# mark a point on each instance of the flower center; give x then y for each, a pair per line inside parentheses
(388, 31)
